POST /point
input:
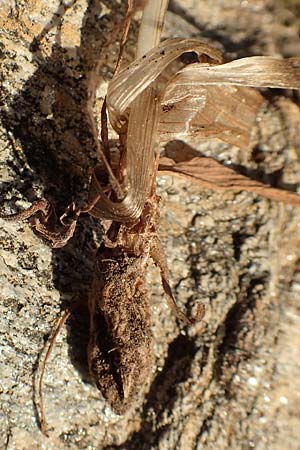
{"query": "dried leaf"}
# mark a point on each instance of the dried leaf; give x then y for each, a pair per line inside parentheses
(140, 164)
(201, 114)
(141, 136)
(213, 175)
(212, 101)
(197, 101)
(255, 71)
(151, 28)
(135, 78)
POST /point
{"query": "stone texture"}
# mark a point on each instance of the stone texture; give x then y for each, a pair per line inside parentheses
(231, 382)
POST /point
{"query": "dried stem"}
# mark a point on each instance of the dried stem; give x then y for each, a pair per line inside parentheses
(142, 132)
(62, 320)
(151, 26)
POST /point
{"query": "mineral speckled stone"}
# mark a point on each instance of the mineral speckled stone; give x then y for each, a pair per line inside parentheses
(231, 382)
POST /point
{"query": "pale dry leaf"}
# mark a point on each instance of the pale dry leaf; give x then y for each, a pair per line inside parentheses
(213, 101)
(152, 25)
(140, 164)
(135, 87)
(202, 100)
(134, 79)
(255, 71)
(211, 174)
(227, 113)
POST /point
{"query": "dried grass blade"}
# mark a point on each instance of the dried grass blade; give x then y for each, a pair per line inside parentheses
(140, 163)
(255, 71)
(205, 101)
(197, 113)
(213, 175)
(141, 132)
(133, 80)
(152, 25)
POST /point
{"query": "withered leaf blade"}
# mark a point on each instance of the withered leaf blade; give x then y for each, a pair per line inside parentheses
(255, 71)
(198, 101)
(131, 87)
(135, 78)
(215, 101)
(227, 113)
(141, 139)
(211, 174)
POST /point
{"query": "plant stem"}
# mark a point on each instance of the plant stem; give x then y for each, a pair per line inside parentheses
(151, 25)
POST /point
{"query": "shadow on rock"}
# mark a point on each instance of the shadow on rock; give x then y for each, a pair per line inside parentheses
(162, 395)
(48, 120)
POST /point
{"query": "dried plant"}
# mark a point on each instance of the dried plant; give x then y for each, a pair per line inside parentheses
(205, 99)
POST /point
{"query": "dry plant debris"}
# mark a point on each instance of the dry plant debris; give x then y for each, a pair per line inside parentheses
(205, 99)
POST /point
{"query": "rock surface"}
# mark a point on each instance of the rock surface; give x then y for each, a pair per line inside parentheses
(231, 382)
